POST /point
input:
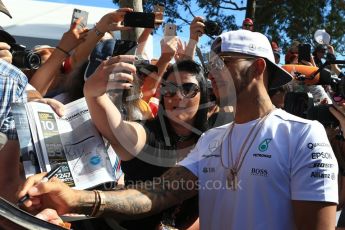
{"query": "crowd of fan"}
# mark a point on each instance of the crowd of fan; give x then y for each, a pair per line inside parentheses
(170, 107)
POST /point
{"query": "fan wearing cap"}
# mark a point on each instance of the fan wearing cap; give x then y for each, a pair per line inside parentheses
(248, 24)
(323, 51)
(266, 170)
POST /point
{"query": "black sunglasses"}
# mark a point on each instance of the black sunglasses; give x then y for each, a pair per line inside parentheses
(188, 90)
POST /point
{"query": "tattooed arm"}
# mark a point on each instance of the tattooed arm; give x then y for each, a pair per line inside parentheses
(144, 199)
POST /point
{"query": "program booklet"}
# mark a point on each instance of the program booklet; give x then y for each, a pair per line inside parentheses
(72, 141)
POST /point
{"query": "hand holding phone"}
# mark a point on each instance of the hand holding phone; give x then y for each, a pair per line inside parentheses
(80, 14)
(158, 9)
(124, 47)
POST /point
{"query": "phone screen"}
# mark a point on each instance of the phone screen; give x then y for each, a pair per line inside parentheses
(124, 47)
(304, 51)
(80, 14)
(139, 19)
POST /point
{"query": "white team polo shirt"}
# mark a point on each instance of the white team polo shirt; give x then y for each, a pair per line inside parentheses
(290, 159)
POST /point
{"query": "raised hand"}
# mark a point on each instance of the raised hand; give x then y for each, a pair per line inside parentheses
(112, 21)
(197, 28)
(73, 37)
(5, 53)
(113, 74)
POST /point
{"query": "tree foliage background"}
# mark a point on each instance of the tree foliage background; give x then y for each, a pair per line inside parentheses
(281, 20)
(287, 20)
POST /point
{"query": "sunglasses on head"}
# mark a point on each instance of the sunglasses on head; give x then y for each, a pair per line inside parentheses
(188, 90)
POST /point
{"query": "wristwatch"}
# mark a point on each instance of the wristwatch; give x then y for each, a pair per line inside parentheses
(98, 33)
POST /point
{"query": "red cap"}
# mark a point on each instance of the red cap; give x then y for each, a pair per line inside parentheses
(247, 24)
(247, 21)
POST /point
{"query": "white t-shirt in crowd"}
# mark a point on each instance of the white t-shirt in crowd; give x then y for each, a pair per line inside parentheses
(290, 159)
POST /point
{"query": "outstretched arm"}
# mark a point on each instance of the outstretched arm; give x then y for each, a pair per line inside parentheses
(138, 201)
(108, 22)
(197, 29)
(45, 75)
(127, 138)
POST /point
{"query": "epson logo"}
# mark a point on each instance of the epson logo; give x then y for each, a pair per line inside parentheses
(313, 145)
(259, 172)
(322, 155)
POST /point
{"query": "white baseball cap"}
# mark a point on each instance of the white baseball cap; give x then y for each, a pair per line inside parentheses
(254, 44)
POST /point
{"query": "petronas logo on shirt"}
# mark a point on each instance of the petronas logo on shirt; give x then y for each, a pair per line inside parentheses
(264, 144)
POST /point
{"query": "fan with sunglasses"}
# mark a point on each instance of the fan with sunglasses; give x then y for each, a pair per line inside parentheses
(187, 90)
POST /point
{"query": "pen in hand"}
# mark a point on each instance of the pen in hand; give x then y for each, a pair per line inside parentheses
(49, 175)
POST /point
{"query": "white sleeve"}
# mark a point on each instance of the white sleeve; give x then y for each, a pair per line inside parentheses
(314, 168)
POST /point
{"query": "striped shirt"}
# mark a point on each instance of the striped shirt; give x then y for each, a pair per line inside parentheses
(12, 85)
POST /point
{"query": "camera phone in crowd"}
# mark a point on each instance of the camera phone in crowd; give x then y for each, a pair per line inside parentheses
(139, 19)
(80, 14)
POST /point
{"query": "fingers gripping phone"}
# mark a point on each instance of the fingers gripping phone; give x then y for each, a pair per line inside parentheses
(139, 19)
(159, 7)
(124, 47)
(3, 140)
(80, 14)
(304, 51)
(169, 30)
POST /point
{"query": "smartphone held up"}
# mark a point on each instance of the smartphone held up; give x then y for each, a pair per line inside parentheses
(80, 14)
(139, 19)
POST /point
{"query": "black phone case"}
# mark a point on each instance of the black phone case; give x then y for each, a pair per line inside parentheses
(123, 47)
(139, 19)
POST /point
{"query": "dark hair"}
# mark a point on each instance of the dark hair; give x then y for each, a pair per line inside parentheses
(192, 67)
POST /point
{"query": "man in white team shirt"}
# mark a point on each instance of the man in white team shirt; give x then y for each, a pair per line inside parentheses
(279, 170)
(267, 170)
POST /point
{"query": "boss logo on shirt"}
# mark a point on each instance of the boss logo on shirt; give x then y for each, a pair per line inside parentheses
(319, 174)
(313, 145)
(259, 172)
